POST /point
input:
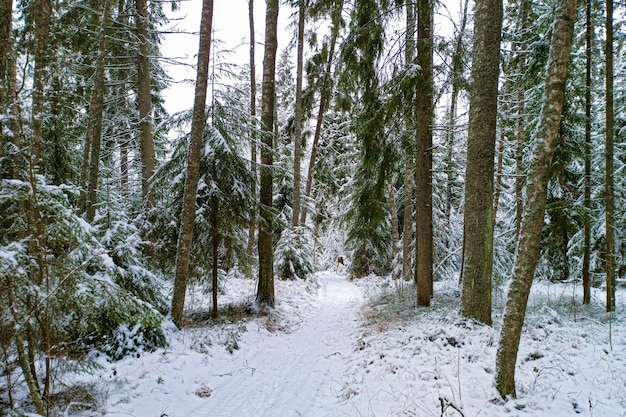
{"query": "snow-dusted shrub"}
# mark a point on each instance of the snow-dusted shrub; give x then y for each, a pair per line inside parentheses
(293, 254)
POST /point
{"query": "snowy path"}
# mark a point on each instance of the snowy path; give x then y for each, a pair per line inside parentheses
(294, 374)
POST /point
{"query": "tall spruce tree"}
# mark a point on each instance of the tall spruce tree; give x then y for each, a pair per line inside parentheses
(479, 180)
(265, 290)
(424, 119)
(369, 233)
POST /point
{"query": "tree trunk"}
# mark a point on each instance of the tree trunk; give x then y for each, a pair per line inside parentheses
(215, 246)
(297, 142)
(456, 77)
(393, 211)
(144, 99)
(188, 216)
(479, 180)
(42, 14)
(521, 119)
(6, 47)
(9, 104)
(253, 136)
(96, 109)
(587, 231)
(324, 98)
(265, 291)
(536, 192)
(424, 162)
(609, 198)
(407, 228)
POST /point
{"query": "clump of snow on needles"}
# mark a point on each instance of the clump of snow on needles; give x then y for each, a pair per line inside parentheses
(332, 347)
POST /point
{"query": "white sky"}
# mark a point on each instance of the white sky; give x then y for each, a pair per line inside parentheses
(231, 28)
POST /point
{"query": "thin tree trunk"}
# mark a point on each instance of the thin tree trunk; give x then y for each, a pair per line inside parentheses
(536, 192)
(395, 233)
(96, 109)
(9, 103)
(6, 47)
(609, 198)
(479, 179)
(456, 76)
(22, 356)
(424, 161)
(42, 13)
(409, 164)
(265, 290)
(215, 247)
(324, 98)
(521, 119)
(188, 216)
(253, 136)
(587, 244)
(297, 144)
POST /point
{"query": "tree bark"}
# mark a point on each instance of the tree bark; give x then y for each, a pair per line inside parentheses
(409, 186)
(42, 14)
(265, 291)
(521, 99)
(393, 211)
(609, 198)
(587, 198)
(324, 98)
(188, 216)
(536, 192)
(253, 136)
(96, 109)
(6, 47)
(479, 179)
(297, 141)
(456, 78)
(424, 161)
(144, 99)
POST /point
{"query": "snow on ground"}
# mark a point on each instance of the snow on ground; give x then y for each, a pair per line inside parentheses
(336, 348)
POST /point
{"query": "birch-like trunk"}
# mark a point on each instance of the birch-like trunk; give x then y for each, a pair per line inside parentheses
(536, 191)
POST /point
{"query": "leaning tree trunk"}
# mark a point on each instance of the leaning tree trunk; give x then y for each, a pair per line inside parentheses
(188, 216)
(424, 162)
(324, 98)
(609, 198)
(265, 291)
(536, 192)
(144, 99)
(96, 109)
(479, 180)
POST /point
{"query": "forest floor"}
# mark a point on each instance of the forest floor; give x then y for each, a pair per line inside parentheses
(338, 348)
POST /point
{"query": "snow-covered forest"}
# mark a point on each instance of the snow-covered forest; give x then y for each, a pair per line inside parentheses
(410, 208)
